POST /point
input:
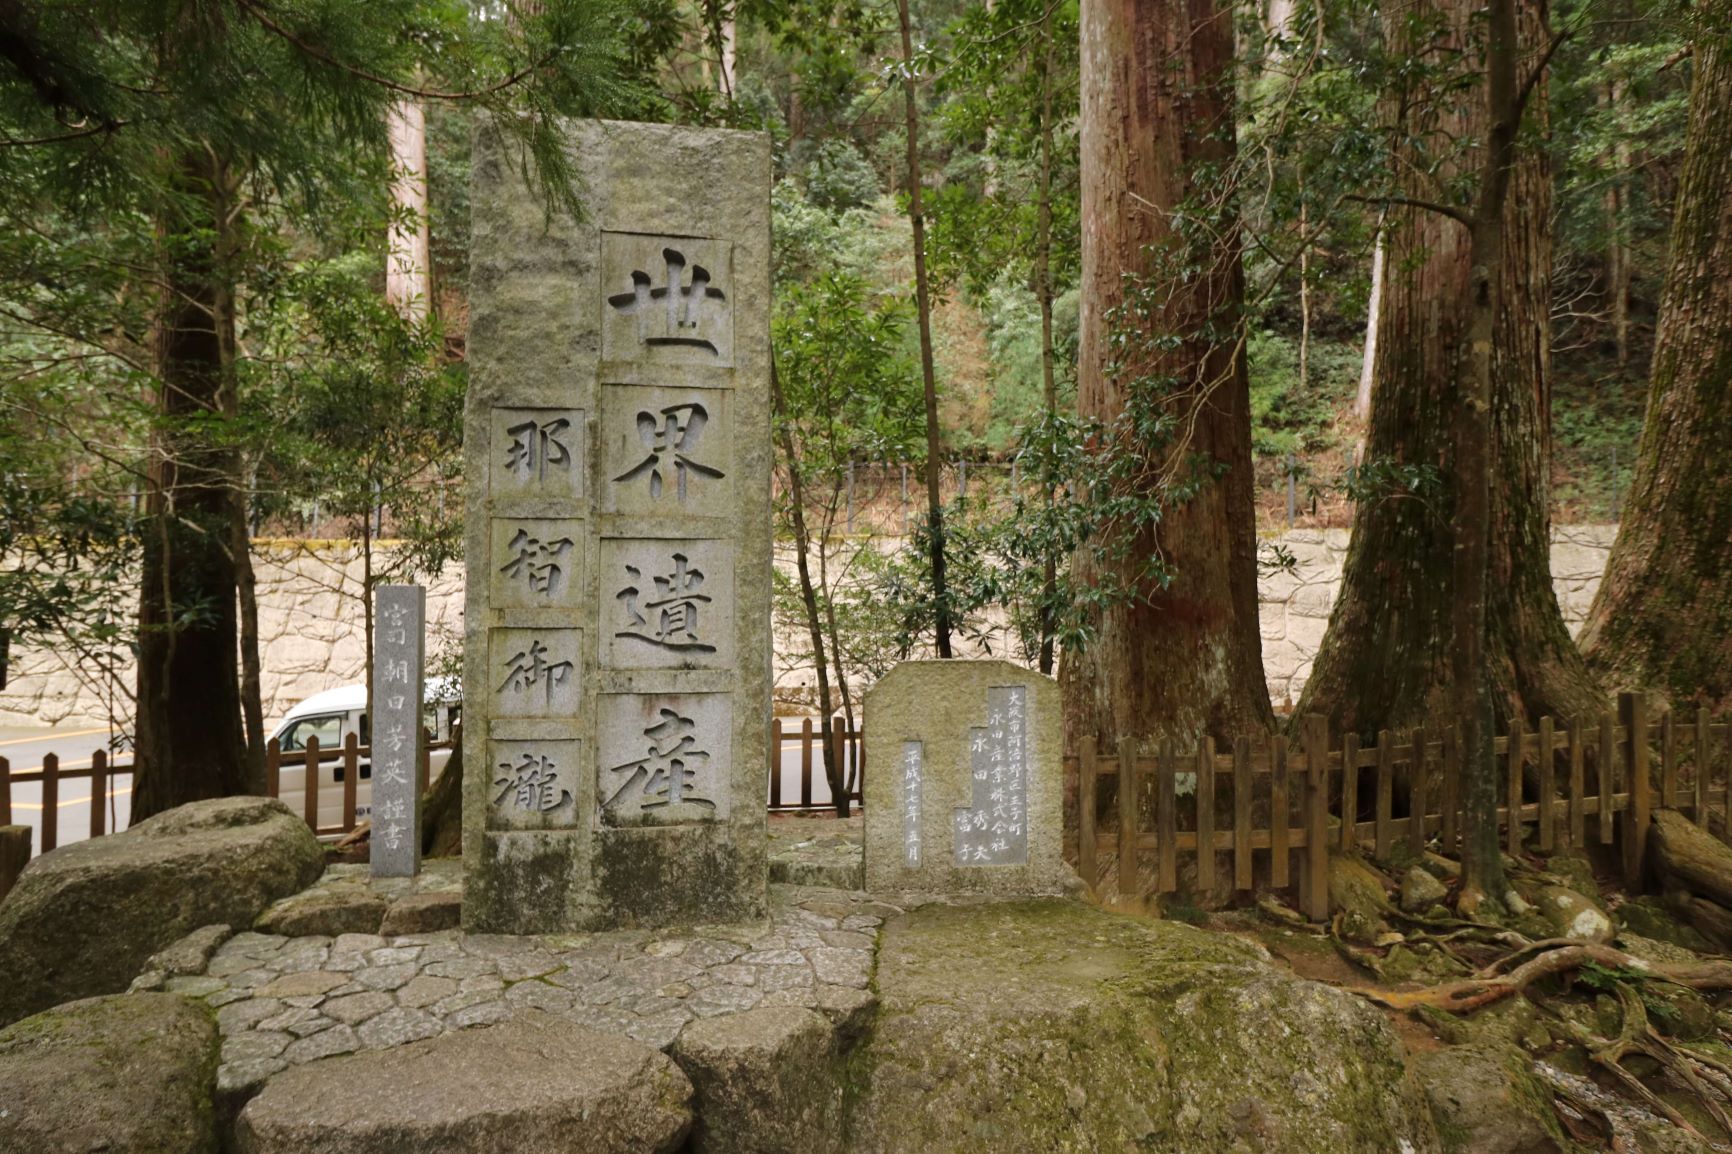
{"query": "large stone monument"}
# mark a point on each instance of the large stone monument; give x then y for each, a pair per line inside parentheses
(617, 441)
(964, 780)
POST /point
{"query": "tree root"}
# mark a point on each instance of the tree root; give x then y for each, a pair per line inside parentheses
(1482, 989)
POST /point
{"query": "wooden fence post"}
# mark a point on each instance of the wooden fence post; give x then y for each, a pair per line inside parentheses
(351, 772)
(1205, 815)
(1699, 806)
(776, 763)
(839, 750)
(1418, 795)
(1316, 897)
(14, 854)
(1385, 793)
(1085, 814)
(1242, 861)
(806, 763)
(50, 801)
(1166, 822)
(98, 790)
(5, 791)
(1278, 813)
(1548, 786)
(1349, 792)
(1634, 709)
(310, 784)
(1127, 818)
(273, 768)
(1608, 777)
(1578, 785)
(1513, 834)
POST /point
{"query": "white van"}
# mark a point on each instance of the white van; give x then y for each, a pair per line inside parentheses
(331, 717)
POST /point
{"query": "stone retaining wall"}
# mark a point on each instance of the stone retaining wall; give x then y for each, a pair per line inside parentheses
(311, 632)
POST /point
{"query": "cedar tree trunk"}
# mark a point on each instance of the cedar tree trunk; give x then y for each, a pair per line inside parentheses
(188, 742)
(1386, 659)
(1157, 104)
(1662, 619)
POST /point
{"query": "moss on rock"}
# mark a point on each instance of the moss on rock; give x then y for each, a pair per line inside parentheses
(1055, 1026)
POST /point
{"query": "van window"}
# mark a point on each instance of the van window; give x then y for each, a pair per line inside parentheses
(329, 731)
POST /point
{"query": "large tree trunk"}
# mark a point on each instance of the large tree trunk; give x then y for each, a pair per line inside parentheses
(1662, 619)
(188, 741)
(1386, 659)
(1157, 104)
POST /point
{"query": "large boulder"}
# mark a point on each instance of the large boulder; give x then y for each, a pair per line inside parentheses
(1486, 1099)
(534, 1085)
(1056, 1026)
(86, 918)
(767, 1082)
(128, 1074)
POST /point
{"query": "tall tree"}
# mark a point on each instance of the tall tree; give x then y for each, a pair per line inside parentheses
(1162, 368)
(1386, 661)
(923, 312)
(1662, 619)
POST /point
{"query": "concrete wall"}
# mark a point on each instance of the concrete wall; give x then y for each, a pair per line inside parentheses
(311, 632)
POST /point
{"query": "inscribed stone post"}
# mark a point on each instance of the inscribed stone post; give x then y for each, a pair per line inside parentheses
(617, 444)
(398, 741)
(963, 782)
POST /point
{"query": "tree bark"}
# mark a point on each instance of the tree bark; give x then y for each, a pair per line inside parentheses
(1386, 661)
(1048, 372)
(252, 692)
(1662, 619)
(1157, 106)
(188, 743)
(407, 260)
(923, 307)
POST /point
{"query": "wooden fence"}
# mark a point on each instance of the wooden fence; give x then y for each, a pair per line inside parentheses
(1269, 798)
(811, 740)
(345, 770)
(100, 771)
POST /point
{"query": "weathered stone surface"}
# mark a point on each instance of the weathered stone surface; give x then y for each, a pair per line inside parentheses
(1051, 1025)
(328, 910)
(126, 1074)
(1420, 890)
(1356, 890)
(1571, 915)
(535, 1085)
(191, 954)
(767, 1079)
(613, 449)
(929, 727)
(423, 913)
(1486, 1099)
(84, 919)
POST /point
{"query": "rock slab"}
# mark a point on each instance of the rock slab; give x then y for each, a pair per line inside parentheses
(126, 1074)
(534, 1085)
(767, 1082)
(84, 919)
(1050, 1025)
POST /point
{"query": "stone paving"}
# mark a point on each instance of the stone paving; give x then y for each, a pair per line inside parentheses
(282, 1001)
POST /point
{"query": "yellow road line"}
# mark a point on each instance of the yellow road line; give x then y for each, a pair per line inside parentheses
(36, 806)
(56, 735)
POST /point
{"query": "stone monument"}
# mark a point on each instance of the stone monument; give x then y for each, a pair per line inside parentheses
(398, 740)
(617, 442)
(964, 780)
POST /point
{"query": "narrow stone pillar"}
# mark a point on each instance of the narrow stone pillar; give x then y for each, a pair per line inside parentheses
(617, 445)
(398, 740)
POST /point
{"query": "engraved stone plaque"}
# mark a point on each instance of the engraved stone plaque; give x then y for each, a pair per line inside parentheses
(667, 604)
(664, 759)
(993, 830)
(977, 804)
(536, 453)
(536, 563)
(399, 643)
(532, 784)
(666, 451)
(668, 300)
(536, 672)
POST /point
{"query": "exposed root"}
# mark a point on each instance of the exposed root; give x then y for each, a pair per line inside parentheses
(1482, 990)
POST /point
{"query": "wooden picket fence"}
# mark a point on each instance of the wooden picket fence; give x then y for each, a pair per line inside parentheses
(811, 741)
(343, 764)
(1270, 798)
(50, 774)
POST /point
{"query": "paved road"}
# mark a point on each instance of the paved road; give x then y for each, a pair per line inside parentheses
(24, 750)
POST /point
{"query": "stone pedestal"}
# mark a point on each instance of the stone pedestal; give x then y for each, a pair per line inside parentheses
(617, 663)
(964, 780)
